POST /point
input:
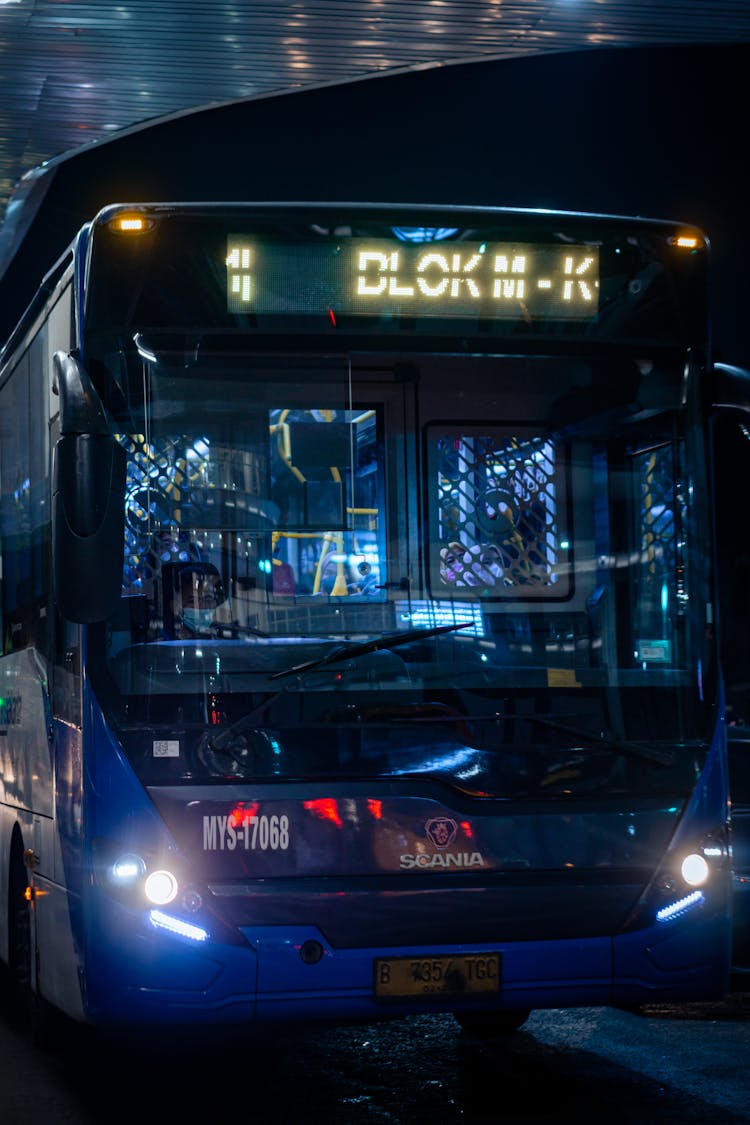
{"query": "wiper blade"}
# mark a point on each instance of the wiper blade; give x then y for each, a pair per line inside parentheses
(361, 648)
(343, 652)
(638, 749)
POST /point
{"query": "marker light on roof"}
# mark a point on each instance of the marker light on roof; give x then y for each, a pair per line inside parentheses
(688, 241)
(130, 223)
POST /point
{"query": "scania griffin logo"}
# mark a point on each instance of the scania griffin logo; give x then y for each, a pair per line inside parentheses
(441, 830)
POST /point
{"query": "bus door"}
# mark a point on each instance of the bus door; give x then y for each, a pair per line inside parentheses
(344, 484)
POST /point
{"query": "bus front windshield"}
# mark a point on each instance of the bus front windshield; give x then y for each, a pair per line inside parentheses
(476, 569)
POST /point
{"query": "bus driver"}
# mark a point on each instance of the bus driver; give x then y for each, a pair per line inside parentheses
(191, 592)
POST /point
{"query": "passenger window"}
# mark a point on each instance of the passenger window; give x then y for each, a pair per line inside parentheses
(497, 515)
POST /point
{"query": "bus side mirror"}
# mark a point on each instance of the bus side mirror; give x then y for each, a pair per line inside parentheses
(730, 387)
(88, 508)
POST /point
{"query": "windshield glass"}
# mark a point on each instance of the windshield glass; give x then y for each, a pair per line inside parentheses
(475, 568)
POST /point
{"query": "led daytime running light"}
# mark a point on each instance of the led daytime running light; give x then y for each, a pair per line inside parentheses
(177, 926)
(675, 909)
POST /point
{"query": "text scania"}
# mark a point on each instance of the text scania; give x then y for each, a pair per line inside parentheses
(475, 276)
(251, 833)
(443, 859)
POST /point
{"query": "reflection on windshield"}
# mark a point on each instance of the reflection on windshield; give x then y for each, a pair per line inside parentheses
(361, 648)
(325, 573)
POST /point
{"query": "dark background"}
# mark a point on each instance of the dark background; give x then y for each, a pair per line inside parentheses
(656, 131)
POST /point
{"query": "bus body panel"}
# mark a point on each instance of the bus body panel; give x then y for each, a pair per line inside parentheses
(364, 909)
(413, 667)
(59, 971)
(26, 775)
(169, 980)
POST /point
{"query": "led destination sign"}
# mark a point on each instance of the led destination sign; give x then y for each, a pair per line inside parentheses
(375, 277)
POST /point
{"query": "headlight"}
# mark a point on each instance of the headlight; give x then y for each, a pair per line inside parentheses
(127, 870)
(160, 887)
(694, 869)
(136, 878)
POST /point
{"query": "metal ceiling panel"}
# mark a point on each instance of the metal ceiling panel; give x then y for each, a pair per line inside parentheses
(72, 72)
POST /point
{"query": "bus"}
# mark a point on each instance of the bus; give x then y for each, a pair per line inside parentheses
(359, 620)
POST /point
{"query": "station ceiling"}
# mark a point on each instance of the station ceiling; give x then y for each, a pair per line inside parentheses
(75, 73)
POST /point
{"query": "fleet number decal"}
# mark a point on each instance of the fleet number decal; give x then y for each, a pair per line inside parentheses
(253, 833)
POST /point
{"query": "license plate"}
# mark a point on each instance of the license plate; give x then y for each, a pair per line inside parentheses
(452, 975)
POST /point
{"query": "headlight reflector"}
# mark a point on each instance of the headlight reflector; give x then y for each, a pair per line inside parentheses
(160, 887)
(127, 869)
(694, 869)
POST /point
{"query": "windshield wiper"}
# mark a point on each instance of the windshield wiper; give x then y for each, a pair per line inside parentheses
(638, 749)
(361, 648)
(343, 652)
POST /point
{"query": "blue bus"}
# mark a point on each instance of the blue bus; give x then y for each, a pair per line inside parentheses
(358, 614)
